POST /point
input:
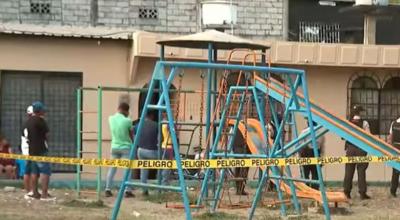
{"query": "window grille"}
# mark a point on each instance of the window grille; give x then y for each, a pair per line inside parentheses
(40, 8)
(319, 32)
(381, 101)
(148, 13)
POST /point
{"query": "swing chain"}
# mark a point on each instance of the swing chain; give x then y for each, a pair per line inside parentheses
(202, 76)
(178, 96)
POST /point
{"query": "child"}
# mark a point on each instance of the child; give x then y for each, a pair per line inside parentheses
(166, 146)
(7, 166)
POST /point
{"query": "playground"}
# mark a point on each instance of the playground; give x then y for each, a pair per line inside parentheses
(67, 207)
(254, 100)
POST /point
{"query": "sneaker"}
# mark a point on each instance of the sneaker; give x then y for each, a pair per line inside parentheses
(31, 196)
(48, 198)
(364, 197)
(108, 193)
(129, 194)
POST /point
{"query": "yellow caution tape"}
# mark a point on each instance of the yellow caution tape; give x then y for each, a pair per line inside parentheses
(201, 164)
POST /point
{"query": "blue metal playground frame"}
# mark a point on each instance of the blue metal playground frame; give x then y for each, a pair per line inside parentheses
(292, 107)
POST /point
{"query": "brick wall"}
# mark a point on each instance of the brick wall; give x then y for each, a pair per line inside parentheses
(256, 18)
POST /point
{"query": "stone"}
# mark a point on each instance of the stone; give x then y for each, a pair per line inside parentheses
(9, 189)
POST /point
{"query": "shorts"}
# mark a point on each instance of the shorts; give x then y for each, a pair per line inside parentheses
(27, 168)
(39, 168)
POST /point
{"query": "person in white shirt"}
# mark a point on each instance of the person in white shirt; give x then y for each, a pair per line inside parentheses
(310, 171)
(25, 151)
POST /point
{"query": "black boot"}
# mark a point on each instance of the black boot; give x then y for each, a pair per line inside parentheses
(364, 196)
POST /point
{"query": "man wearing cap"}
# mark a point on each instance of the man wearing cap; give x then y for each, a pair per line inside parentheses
(310, 171)
(25, 151)
(37, 139)
(394, 139)
(351, 151)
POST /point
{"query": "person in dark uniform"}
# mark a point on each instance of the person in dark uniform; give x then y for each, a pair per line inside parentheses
(310, 171)
(241, 173)
(352, 150)
(394, 139)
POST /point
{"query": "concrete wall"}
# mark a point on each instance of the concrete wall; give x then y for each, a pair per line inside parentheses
(256, 18)
(102, 62)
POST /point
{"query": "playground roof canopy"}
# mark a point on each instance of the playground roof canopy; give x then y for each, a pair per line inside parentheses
(220, 40)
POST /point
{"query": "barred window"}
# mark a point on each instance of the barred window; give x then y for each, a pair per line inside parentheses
(319, 32)
(381, 101)
(148, 13)
(363, 90)
(38, 7)
(389, 102)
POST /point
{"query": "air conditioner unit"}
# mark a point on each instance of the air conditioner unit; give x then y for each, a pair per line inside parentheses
(217, 13)
(372, 2)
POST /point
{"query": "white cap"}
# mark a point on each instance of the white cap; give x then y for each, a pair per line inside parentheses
(29, 110)
(356, 117)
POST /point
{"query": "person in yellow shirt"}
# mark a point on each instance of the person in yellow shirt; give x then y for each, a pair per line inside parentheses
(166, 147)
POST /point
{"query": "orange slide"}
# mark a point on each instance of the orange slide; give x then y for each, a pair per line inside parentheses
(256, 143)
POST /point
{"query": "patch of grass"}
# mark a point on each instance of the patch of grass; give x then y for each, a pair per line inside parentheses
(84, 204)
(168, 197)
(216, 215)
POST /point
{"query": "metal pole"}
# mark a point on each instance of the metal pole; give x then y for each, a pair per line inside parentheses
(176, 148)
(132, 153)
(99, 137)
(209, 87)
(162, 54)
(78, 139)
(263, 57)
(159, 136)
(159, 152)
(314, 144)
(208, 107)
(214, 89)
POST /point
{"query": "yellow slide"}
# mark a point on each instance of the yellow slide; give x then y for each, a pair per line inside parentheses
(255, 142)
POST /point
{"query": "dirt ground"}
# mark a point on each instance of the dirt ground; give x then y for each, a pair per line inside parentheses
(14, 207)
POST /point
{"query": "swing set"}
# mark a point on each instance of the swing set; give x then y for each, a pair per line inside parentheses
(247, 107)
(227, 112)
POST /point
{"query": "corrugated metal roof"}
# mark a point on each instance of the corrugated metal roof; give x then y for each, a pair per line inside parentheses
(219, 39)
(67, 31)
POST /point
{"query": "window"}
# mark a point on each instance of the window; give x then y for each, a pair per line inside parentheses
(39, 7)
(148, 13)
(364, 90)
(389, 102)
(380, 101)
(319, 32)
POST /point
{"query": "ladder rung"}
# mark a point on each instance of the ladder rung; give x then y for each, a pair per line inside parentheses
(88, 112)
(89, 132)
(158, 107)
